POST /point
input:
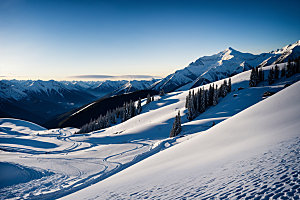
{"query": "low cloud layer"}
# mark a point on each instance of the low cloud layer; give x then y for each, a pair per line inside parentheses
(113, 77)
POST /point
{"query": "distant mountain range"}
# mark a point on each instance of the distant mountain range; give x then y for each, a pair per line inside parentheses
(221, 65)
(39, 101)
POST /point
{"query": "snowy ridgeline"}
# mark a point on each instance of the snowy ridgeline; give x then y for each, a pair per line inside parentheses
(58, 163)
(208, 69)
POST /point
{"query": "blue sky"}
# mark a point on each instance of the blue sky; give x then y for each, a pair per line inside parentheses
(41, 39)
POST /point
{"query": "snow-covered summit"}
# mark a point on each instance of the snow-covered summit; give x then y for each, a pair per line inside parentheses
(221, 65)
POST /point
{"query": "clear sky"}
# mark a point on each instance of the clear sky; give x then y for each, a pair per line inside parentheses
(57, 39)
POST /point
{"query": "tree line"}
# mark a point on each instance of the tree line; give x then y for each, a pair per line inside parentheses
(291, 68)
(198, 102)
(127, 111)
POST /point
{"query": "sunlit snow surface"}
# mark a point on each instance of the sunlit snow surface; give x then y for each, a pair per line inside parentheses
(64, 163)
(253, 155)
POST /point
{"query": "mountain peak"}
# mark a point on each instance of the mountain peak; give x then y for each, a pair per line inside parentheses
(229, 50)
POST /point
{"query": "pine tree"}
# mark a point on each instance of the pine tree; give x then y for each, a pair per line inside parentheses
(298, 65)
(211, 94)
(186, 101)
(260, 75)
(202, 101)
(256, 75)
(229, 85)
(198, 100)
(124, 116)
(283, 72)
(139, 106)
(271, 76)
(253, 78)
(215, 96)
(130, 110)
(276, 72)
(289, 70)
(191, 109)
(148, 99)
(176, 128)
(224, 91)
(206, 99)
(113, 119)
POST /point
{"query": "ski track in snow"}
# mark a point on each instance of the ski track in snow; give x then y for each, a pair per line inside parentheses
(57, 184)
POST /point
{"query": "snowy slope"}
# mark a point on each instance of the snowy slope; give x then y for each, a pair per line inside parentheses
(254, 154)
(291, 51)
(73, 162)
(221, 65)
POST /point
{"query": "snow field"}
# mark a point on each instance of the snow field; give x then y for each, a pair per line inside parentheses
(252, 155)
(75, 162)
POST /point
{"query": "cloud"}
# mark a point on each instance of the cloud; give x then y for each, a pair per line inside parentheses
(113, 77)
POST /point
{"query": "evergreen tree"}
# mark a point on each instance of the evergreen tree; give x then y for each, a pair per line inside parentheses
(139, 106)
(113, 119)
(178, 123)
(298, 65)
(283, 72)
(276, 72)
(210, 95)
(229, 85)
(202, 101)
(215, 96)
(148, 99)
(186, 101)
(124, 116)
(191, 110)
(253, 78)
(198, 100)
(176, 128)
(271, 76)
(130, 110)
(224, 91)
(289, 69)
(206, 99)
(256, 75)
(261, 75)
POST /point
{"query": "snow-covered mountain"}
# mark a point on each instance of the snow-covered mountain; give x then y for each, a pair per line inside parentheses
(39, 101)
(19, 89)
(253, 149)
(221, 65)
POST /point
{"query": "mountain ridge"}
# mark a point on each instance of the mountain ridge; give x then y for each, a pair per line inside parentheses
(221, 65)
(39, 101)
